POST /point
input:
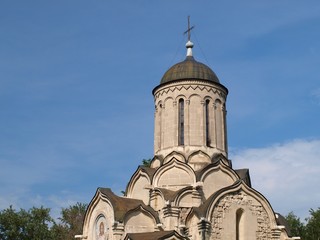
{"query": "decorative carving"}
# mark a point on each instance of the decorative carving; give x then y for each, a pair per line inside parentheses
(240, 198)
(193, 85)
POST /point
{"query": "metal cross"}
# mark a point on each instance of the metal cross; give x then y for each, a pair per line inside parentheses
(189, 29)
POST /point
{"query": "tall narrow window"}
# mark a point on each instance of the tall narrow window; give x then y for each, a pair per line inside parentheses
(239, 225)
(181, 123)
(208, 139)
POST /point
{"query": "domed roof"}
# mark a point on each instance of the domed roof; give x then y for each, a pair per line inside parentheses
(189, 69)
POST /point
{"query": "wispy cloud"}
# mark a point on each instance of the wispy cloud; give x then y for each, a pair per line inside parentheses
(287, 173)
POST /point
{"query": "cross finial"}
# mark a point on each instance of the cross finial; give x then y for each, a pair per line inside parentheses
(189, 44)
(189, 29)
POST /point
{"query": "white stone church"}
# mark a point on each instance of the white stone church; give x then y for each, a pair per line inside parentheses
(190, 190)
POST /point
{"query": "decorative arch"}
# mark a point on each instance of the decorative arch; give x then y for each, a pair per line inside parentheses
(166, 100)
(157, 200)
(180, 96)
(223, 213)
(217, 176)
(208, 97)
(219, 157)
(174, 175)
(198, 160)
(139, 220)
(138, 186)
(174, 155)
(184, 198)
(159, 104)
(99, 217)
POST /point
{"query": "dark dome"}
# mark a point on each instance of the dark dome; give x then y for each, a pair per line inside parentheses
(189, 69)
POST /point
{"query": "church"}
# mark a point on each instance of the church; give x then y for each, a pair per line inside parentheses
(190, 189)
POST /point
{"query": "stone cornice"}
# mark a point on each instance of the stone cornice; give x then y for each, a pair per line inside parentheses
(191, 84)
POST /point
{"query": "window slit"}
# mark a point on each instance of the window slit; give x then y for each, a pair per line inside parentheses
(181, 123)
(207, 119)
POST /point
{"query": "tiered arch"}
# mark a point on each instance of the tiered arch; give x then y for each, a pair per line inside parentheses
(139, 185)
(174, 155)
(215, 177)
(174, 175)
(198, 160)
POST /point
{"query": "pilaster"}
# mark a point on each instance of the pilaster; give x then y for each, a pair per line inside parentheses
(171, 217)
(204, 227)
(118, 230)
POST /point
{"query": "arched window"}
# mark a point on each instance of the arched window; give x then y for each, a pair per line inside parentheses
(181, 122)
(207, 119)
(240, 224)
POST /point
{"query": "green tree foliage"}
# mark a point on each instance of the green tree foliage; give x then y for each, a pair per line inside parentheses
(310, 230)
(25, 225)
(70, 222)
(296, 226)
(37, 224)
(313, 225)
(146, 162)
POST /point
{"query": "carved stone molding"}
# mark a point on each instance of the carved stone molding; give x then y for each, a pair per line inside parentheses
(195, 86)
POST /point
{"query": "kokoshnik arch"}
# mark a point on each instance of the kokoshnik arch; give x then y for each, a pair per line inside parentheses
(190, 190)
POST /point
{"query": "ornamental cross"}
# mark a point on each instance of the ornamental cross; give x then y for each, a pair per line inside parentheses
(189, 29)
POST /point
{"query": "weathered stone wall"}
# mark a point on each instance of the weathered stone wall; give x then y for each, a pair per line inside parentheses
(255, 223)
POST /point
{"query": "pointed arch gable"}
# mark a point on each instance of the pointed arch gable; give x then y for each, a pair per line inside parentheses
(139, 184)
(174, 175)
(178, 156)
(223, 206)
(140, 219)
(198, 160)
(99, 206)
(215, 177)
(221, 158)
(240, 186)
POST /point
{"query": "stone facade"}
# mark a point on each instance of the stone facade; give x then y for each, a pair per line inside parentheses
(190, 190)
(197, 96)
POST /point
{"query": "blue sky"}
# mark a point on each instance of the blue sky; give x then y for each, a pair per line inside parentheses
(77, 110)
